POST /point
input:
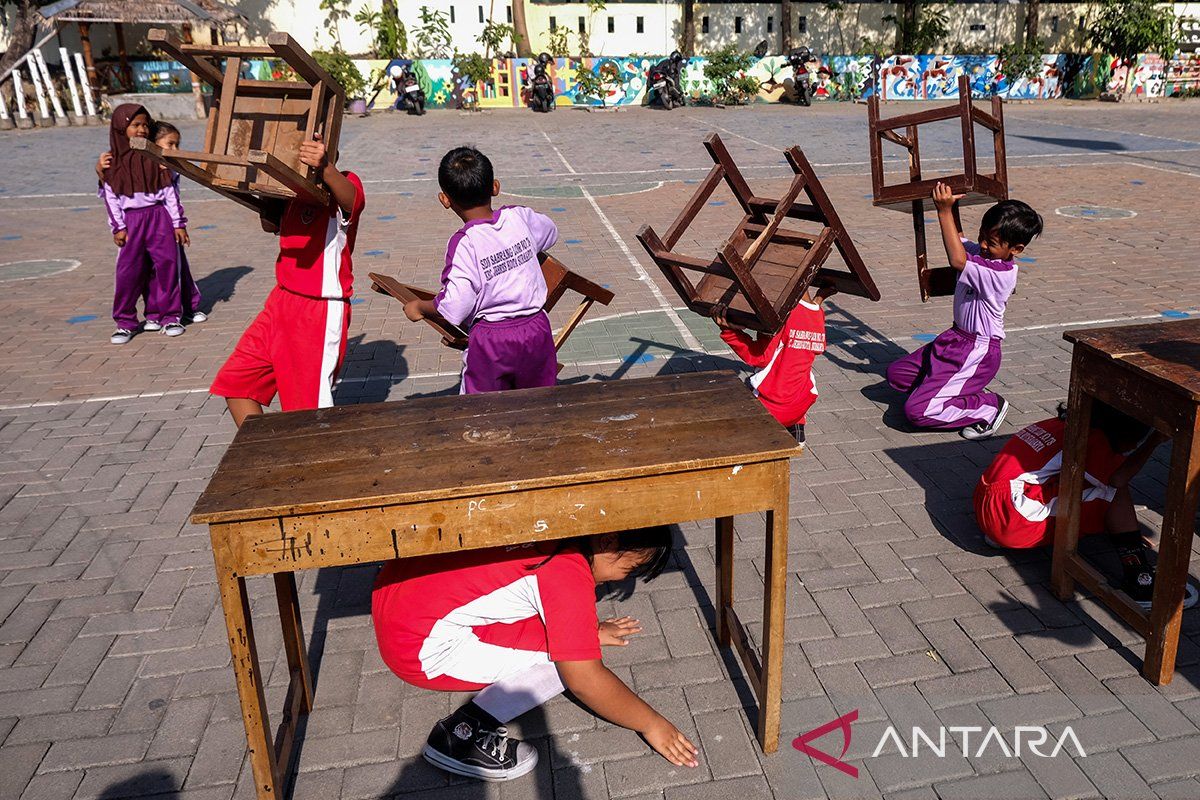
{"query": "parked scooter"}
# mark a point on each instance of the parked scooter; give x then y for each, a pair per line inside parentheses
(541, 90)
(799, 59)
(409, 94)
(665, 80)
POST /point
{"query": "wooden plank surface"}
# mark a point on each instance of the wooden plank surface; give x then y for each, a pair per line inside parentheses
(387, 453)
(1167, 353)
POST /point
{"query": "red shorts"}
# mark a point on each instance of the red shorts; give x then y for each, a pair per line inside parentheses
(1000, 521)
(294, 346)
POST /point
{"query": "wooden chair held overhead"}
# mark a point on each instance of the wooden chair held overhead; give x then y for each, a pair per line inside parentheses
(559, 280)
(251, 148)
(761, 272)
(911, 195)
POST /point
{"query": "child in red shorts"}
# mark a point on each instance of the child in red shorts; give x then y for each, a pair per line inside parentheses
(518, 625)
(1016, 499)
(296, 343)
(785, 384)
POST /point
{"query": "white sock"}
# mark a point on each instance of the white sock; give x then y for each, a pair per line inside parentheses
(511, 697)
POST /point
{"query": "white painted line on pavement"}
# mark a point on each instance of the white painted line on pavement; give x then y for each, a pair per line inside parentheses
(689, 339)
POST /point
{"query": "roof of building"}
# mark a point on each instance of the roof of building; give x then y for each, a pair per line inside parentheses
(165, 12)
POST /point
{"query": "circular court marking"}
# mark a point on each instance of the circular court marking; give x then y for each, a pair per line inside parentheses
(576, 192)
(41, 268)
(1094, 212)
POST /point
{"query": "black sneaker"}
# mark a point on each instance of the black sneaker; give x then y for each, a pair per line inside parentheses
(1138, 582)
(465, 744)
(797, 430)
(983, 430)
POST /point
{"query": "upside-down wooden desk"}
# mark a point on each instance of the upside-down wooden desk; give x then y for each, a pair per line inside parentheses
(367, 483)
(1152, 373)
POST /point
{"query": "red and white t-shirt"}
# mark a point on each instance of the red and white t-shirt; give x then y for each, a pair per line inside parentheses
(315, 246)
(460, 621)
(785, 384)
(1016, 498)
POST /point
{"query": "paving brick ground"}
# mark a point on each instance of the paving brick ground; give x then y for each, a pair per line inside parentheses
(114, 675)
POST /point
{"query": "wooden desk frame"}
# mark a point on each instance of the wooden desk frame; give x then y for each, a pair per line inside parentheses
(558, 280)
(911, 195)
(1097, 376)
(280, 546)
(251, 144)
(730, 277)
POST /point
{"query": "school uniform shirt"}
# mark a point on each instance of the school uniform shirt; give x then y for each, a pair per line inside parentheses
(295, 346)
(118, 204)
(316, 244)
(981, 293)
(784, 385)
(492, 271)
(459, 621)
(1017, 497)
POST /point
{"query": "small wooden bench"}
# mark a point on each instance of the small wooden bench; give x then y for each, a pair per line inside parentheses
(1152, 373)
(761, 272)
(559, 280)
(911, 195)
(357, 484)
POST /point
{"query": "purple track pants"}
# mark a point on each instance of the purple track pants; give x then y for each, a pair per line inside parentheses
(946, 381)
(149, 264)
(510, 354)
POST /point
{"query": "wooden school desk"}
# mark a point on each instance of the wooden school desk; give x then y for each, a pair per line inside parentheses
(1152, 373)
(357, 484)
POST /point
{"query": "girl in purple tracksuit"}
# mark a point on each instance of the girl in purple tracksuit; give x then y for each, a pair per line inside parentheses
(492, 282)
(946, 380)
(148, 226)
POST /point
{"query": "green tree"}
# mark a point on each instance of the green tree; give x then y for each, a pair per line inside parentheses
(585, 36)
(342, 69)
(494, 35)
(558, 43)
(1125, 28)
(390, 37)
(726, 69)
(432, 39)
(920, 29)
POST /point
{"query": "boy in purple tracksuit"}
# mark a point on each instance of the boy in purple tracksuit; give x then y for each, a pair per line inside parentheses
(946, 380)
(493, 283)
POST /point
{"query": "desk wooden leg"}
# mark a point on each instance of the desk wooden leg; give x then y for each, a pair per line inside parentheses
(1174, 551)
(774, 602)
(724, 579)
(246, 670)
(293, 638)
(1070, 493)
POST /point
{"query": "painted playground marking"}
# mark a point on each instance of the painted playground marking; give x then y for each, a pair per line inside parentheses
(40, 268)
(1095, 212)
(689, 339)
(700, 353)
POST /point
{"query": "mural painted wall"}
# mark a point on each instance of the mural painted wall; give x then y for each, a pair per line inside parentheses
(924, 77)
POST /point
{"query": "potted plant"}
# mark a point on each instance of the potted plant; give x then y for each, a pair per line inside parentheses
(342, 69)
(474, 71)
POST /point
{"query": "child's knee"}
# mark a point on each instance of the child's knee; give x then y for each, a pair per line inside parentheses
(900, 376)
(915, 411)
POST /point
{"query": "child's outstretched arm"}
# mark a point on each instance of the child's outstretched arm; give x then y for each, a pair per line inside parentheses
(606, 694)
(946, 202)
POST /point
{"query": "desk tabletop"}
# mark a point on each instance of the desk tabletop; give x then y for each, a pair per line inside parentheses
(361, 456)
(1167, 353)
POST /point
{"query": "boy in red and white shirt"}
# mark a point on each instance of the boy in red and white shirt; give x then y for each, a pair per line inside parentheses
(296, 343)
(1016, 499)
(785, 384)
(518, 625)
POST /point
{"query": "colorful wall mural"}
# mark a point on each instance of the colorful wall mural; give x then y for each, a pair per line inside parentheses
(923, 77)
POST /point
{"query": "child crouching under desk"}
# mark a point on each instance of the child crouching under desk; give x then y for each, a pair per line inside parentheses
(519, 626)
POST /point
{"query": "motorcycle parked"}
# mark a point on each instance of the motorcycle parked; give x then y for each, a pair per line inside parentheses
(665, 82)
(410, 95)
(541, 91)
(799, 59)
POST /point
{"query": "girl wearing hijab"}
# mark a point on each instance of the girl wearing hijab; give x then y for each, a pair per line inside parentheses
(147, 224)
